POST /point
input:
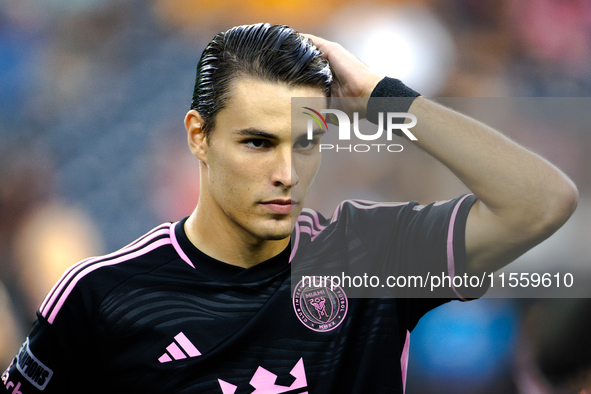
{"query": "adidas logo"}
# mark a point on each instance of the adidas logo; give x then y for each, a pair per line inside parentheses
(264, 382)
(173, 351)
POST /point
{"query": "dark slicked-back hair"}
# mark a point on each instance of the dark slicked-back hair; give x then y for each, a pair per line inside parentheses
(273, 53)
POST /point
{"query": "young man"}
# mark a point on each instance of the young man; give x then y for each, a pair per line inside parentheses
(205, 305)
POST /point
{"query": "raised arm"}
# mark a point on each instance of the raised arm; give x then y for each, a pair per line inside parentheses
(522, 198)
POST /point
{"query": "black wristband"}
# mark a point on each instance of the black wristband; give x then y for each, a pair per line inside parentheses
(401, 98)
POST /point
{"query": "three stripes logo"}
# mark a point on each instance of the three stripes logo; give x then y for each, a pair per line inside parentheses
(179, 349)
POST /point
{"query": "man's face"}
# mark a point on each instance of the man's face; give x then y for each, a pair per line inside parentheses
(258, 171)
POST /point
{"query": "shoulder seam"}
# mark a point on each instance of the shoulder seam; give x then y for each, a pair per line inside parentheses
(364, 205)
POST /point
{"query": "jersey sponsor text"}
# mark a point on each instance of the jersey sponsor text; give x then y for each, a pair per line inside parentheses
(31, 368)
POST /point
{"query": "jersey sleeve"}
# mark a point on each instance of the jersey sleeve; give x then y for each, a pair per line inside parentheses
(410, 240)
(57, 356)
(419, 250)
(415, 250)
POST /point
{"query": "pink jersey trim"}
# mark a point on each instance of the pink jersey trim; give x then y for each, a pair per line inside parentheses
(177, 247)
(451, 268)
(89, 269)
(404, 359)
(163, 226)
(316, 221)
(311, 221)
(294, 246)
(57, 287)
(72, 271)
(364, 204)
(305, 230)
(313, 228)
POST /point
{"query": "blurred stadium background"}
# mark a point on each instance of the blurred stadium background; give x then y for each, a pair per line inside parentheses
(93, 151)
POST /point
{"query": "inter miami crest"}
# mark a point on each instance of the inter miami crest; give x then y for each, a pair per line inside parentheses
(320, 308)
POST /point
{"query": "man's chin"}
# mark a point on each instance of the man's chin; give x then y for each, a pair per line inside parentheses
(277, 235)
(277, 232)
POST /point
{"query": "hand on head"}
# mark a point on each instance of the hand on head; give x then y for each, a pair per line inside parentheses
(351, 77)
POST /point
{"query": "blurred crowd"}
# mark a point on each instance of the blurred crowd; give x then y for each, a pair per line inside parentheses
(93, 151)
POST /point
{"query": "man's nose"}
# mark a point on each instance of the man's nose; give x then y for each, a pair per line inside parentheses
(284, 173)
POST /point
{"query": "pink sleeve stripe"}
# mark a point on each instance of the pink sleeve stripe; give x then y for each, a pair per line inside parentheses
(51, 294)
(137, 241)
(89, 269)
(404, 359)
(451, 268)
(177, 247)
(69, 274)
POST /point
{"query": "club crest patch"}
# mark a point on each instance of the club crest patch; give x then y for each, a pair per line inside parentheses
(320, 308)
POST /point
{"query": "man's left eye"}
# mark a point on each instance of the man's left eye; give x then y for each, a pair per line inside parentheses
(304, 144)
(257, 143)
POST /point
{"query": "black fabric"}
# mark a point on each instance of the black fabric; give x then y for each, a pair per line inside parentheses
(390, 95)
(112, 323)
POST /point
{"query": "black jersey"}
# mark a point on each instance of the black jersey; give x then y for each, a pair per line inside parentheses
(159, 316)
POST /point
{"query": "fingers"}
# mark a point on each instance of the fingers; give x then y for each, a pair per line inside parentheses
(320, 43)
(336, 54)
(353, 77)
(315, 39)
(333, 51)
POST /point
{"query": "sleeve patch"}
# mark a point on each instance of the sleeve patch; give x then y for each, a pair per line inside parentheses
(37, 373)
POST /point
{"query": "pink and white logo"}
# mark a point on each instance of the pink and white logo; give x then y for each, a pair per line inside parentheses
(320, 308)
(264, 382)
(179, 349)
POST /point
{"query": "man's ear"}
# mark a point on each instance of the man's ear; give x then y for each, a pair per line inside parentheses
(196, 136)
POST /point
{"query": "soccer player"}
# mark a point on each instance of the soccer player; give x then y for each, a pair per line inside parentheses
(205, 305)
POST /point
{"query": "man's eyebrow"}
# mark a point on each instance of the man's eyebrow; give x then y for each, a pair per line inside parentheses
(254, 132)
(315, 132)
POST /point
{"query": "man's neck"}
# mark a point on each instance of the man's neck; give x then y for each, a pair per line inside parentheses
(229, 244)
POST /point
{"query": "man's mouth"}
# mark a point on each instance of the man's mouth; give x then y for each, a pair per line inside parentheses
(279, 206)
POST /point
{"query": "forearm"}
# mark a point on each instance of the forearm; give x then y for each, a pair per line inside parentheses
(505, 176)
(521, 194)
(522, 198)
